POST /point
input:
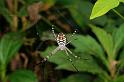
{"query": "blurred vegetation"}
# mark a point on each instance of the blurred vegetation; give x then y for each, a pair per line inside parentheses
(26, 38)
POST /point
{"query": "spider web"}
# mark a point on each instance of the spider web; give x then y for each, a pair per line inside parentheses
(65, 53)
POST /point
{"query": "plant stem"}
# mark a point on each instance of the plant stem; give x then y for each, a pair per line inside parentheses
(15, 6)
(15, 17)
(121, 16)
(3, 74)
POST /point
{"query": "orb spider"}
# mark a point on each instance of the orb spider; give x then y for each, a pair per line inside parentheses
(62, 42)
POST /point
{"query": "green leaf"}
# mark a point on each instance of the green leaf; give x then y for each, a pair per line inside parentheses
(6, 13)
(2, 4)
(59, 56)
(105, 39)
(100, 20)
(119, 38)
(101, 7)
(119, 79)
(88, 45)
(121, 60)
(89, 65)
(23, 76)
(23, 11)
(77, 78)
(101, 80)
(9, 45)
(85, 63)
(77, 11)
(121, 1)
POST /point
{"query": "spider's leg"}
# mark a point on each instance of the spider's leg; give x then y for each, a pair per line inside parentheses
(71, 37)
(71, 60)
(71, 53)
(54, 32)
(55, 50)
(47, 57)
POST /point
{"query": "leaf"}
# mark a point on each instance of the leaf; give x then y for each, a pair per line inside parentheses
(119, 79)
(121, 60)
(23, 12)
(2, 4)
(82, 18)
(121, 1)
(9, 45)
(6, 13)
(88, 45)
(77, 78)
(105, 39)
(119, 38)
(85, 63)
(100, 20)
(77, 11)
(23, 76)
(58, 58)
(101, 7)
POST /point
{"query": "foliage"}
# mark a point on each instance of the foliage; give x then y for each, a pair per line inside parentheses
(101, 7)
(78, 77)
(99, 43)
(90, 47)
(28, 76)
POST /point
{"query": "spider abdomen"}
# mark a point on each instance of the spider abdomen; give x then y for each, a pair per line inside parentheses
(61, 39)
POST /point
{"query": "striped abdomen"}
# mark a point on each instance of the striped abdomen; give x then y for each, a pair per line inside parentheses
(61, 39)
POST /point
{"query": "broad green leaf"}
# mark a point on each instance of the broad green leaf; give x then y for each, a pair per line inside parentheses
(101, 7)
(88, 45)
(77, 78)
(58, 58)
(9, 45)
(85, 63)
(23, 76)
(119, 38)
(105, 39)
(119, 79)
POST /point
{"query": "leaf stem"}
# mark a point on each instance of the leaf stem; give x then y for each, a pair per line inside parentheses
(120, 15)
(3, 74)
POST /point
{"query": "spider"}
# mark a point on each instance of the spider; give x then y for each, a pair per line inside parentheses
(62, 42)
